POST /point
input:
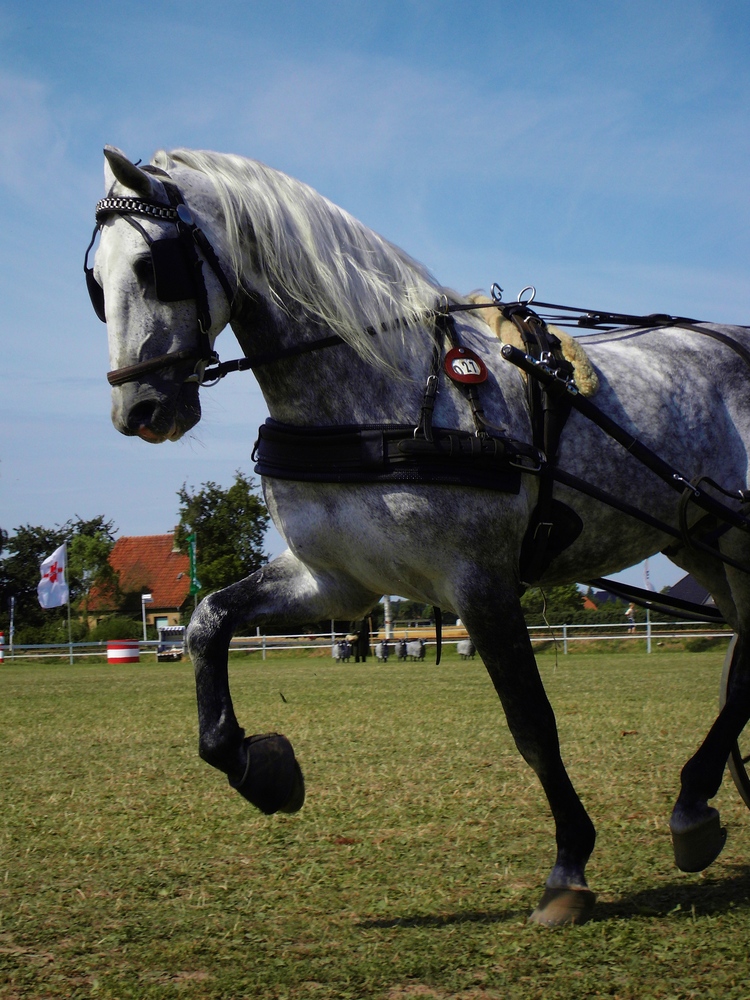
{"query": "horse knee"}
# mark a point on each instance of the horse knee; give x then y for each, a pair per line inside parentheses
(207, 625)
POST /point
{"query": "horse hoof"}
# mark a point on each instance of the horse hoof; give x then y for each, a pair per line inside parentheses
(696, 847)
(273, 779)
(563, 906)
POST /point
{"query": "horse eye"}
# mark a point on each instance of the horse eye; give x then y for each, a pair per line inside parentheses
(144, 270)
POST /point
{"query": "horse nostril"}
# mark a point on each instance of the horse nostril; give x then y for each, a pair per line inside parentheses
(142, 415)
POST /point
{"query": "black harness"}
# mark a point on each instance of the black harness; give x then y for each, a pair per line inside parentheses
(423, 454)
(488, 459)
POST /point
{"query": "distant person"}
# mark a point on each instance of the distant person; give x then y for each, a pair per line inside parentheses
(630, 615)
(362, 645)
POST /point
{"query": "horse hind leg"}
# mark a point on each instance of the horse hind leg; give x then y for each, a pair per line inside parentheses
(262, 767)
(697, 835)
(500, 636)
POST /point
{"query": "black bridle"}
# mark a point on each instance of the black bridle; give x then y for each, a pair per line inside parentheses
(178, 275)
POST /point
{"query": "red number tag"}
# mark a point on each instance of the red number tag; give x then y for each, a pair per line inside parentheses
(463, 365)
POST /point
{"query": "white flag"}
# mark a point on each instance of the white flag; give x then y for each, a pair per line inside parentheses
(52, 588)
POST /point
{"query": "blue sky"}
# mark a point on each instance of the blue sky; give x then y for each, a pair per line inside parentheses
(598, 150)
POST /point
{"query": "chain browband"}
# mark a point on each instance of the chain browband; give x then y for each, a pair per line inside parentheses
(135, 206)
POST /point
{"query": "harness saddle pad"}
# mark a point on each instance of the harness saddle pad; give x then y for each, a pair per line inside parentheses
(584, 373)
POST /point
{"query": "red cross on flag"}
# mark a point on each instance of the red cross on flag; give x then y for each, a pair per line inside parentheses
(52, 588)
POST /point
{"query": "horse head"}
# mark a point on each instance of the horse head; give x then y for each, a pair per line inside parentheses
(163, 307)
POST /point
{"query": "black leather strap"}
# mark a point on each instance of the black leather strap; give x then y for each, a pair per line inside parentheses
(391, 453)
(553, 526)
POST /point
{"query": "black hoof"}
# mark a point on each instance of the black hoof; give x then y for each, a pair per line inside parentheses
(696, 847)
(273, 779)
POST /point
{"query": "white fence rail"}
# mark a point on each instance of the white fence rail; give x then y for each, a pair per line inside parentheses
(563, 635)
(652, 632)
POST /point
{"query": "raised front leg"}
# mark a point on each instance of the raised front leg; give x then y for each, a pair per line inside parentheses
(697, 835)
(499, 633)
(263, 767)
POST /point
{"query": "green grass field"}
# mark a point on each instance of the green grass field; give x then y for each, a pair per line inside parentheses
(130, 868)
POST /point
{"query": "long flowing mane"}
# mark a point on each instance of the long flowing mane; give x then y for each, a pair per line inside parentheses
(312, 253)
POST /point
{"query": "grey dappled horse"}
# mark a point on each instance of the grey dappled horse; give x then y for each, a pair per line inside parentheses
(339, 327)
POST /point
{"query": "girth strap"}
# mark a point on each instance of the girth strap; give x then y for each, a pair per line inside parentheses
(391, 453)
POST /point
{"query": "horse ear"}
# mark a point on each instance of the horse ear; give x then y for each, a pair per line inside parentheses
(127, 173)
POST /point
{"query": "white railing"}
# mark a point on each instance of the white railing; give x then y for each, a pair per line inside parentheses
(648, 630)
(562, 635)
(42, 650)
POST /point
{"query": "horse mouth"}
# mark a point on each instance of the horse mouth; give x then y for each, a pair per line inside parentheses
(155, 437)
(157, 418)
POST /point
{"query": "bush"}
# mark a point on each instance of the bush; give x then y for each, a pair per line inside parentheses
(54, 630)
(116, 627)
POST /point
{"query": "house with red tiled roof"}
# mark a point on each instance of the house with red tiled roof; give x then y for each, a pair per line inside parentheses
(146, 564)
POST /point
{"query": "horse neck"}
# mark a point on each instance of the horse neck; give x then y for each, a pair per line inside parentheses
(334, 385)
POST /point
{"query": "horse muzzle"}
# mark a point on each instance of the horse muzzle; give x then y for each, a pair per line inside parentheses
(154, 416)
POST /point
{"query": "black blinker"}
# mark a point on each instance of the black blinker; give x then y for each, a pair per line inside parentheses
(96, 294)
(172, 275)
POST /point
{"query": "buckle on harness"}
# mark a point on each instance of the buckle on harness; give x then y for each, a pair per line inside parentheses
(424, 427)
(687, 484)
(199, 372)
(528, 464)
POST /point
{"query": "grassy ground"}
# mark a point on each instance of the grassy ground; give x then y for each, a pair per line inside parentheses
(130, 869)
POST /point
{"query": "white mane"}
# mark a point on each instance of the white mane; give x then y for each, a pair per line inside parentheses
(310, 251)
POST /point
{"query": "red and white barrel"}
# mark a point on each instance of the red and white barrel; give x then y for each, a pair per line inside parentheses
(123, 651)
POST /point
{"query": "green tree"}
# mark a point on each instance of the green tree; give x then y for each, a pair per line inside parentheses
(89, 545)
(88, 559)
(557, 604)
(229, 524)
(19, 575)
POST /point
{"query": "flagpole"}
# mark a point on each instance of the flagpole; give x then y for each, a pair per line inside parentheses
(54, 584)
(195, 584)
(67, 580)
(649, 586)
